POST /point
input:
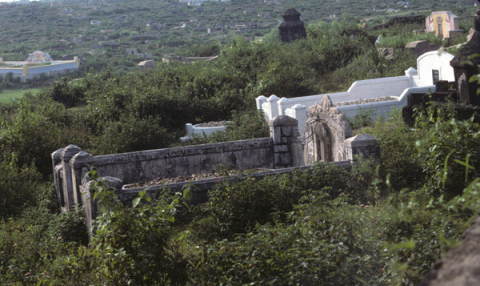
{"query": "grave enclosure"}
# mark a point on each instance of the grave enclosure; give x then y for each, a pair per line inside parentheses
(283, 151)
(379, 95)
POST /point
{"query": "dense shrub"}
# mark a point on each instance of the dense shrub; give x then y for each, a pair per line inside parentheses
(18, 187)
(448, 149)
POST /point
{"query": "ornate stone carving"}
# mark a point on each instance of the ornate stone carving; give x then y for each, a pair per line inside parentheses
(325, 133)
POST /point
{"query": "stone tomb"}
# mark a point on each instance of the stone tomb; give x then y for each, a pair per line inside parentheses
(292, 28)
(328, 136)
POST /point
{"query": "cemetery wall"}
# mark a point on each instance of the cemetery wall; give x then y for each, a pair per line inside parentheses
(33, 73)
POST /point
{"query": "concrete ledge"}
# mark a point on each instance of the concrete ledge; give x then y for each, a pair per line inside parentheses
(195, 150)
(200, 188)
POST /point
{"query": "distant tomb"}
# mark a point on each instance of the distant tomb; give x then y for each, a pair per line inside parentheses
(38, 57)
(443, 23)
(150, 64)
(462, 91)
(292, 28)
(421, 47)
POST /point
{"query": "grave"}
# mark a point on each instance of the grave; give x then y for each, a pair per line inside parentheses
(380, 95)
(202, 129)
(328, 137)
(461, 90)
(280, 152)
(292, 28)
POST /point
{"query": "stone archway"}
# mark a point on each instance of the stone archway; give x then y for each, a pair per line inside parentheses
(325, 132)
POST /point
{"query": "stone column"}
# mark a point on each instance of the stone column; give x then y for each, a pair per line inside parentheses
(364, 145)
(272, 106)
(284, 133)
(259, 100)
(92, 206)
(25, 69)
(57, 180)
(68, 192)
(282, 103)
(78, 165)
(77, 60)
(410, 73)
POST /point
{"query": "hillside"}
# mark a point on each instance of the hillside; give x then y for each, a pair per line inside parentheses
(102, 31)
(383, 222)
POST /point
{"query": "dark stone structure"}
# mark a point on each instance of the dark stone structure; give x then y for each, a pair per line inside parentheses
(460, 265)
(292, 27)
(465, 66)
(463, 92)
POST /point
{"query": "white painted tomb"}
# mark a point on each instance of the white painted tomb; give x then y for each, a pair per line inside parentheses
(380, 94)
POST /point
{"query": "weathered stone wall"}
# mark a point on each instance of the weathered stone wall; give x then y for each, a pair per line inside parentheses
(284, 149)
(71, 164)
(199, 188)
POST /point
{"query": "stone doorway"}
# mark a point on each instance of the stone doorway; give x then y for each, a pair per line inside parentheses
(325, 132)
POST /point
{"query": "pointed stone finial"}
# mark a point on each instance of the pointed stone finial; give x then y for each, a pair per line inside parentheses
(326, 103)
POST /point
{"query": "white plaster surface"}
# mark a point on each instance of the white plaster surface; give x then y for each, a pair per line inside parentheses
(418, 80)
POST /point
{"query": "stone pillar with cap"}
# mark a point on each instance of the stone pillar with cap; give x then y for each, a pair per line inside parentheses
(363, 145)
(78, 165)
(25, 69)
(76, 60)
(57, 178)
(285, 136)
(68, 191)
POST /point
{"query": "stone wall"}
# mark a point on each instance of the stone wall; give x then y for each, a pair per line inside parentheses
(71, 164)
(286, 143)
(284, 149)
(199, 188)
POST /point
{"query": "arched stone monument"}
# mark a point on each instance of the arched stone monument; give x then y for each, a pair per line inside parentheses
(325, 132)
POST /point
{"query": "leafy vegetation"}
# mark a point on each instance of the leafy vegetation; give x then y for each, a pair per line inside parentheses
(324, 226)
(375, 225)
(64, 28)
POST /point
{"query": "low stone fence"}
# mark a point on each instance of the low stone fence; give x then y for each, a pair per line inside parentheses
(199, 188)
(72, 164)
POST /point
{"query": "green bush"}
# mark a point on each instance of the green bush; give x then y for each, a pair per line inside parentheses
(18, 188)
(447, 150)
(238, 207)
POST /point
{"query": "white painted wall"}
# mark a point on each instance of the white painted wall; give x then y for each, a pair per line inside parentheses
(414, 81)
(198, 130)
(435, 60)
